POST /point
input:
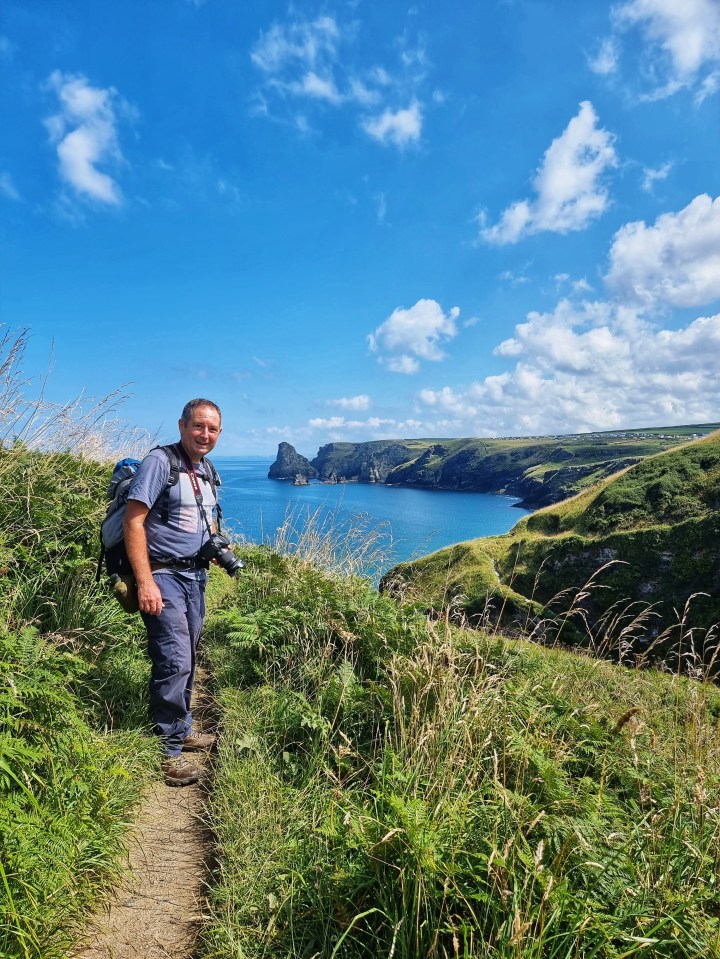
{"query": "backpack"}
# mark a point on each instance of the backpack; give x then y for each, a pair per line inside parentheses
(112, 533)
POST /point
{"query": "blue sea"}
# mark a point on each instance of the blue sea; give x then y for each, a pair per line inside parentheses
(404, 523)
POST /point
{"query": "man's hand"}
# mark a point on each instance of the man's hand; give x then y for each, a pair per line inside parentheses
(149, 597)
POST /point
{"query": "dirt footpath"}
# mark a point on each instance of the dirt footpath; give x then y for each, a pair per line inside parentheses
(156, 912)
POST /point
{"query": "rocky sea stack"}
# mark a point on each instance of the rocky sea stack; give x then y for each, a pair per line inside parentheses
(291, 465)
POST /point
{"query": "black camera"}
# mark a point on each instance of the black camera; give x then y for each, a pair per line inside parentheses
(218, 548)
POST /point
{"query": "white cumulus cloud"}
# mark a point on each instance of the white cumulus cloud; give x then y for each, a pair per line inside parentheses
(675, 262)
(569, 187)
(587, 368)
(408, 336)
(683, 38)
(84, 133)
(602, 364)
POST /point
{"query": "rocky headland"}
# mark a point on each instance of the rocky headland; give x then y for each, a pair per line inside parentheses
(539, 471)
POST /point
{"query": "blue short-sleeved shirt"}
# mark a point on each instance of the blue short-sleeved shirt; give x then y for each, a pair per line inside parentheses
(186, 531)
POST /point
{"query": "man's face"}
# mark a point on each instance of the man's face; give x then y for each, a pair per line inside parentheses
(201, 433)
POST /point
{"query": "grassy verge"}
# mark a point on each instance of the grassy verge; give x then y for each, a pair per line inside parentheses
(392, 787)
(74, 752)
(67, 789)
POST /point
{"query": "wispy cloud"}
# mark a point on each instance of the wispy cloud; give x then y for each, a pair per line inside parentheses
(84, 133)
(605, 61)
(709, 86)
(7, 48)
(569, 188)
(309, 61)
(360, 402)
(381, 202)
(317, 88)
(304, 42)
(8, 188)
(515, 279)
(338, 427)
(408, 336)
(563, 280)
(399, 127)
(652, 175)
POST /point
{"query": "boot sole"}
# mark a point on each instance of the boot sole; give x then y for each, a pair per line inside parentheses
(182, 782)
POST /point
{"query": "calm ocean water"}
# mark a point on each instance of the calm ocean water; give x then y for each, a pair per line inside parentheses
(407, 522)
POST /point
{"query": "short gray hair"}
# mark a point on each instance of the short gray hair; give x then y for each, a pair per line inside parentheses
(192, 405)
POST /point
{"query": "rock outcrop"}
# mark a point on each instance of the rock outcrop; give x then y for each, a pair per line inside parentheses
(291, 465)
(359, 462)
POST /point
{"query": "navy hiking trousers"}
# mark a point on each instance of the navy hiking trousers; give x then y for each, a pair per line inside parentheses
(172, 646)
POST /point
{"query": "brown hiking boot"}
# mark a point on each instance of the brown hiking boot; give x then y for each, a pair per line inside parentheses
(179, 772)
(198, 742)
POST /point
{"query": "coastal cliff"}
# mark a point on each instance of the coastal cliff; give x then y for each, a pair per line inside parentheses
(540, 471)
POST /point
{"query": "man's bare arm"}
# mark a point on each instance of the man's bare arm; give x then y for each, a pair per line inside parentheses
(149, 597)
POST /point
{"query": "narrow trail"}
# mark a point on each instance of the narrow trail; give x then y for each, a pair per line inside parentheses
(156, 911)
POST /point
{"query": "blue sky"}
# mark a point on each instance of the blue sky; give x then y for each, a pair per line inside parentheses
(355, 220)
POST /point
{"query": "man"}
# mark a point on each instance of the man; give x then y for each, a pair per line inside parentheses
(162, 541)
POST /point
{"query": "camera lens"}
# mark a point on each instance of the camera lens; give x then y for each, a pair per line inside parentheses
(229, 562)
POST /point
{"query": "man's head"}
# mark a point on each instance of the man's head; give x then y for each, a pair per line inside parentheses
(200, 426)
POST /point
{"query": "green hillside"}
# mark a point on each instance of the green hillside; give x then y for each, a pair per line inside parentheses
(652, 530)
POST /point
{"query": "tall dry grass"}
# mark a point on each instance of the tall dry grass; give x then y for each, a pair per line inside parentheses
(87, 427)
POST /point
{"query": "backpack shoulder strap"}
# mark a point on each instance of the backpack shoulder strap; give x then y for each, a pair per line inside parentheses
(212, 474)
(176, 466)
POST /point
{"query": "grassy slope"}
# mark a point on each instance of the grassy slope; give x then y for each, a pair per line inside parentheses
(387, 786)
(661, 518)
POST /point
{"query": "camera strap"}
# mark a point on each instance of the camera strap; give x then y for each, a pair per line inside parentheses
(197, 489)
